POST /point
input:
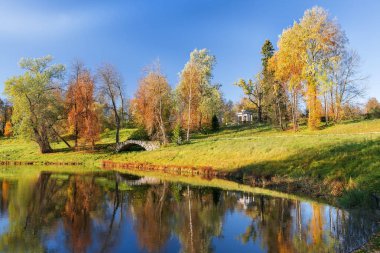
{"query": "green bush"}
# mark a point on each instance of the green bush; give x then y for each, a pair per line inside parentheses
(140, 134)
(357, 199)
(177, 134)
(215, 123)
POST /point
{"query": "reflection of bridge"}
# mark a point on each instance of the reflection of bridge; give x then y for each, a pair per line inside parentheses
(138, 181)
(147, 145)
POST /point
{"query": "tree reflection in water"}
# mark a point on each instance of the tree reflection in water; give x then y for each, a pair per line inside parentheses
(111, 212)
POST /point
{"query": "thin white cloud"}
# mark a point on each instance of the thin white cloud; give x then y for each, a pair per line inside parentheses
(20, 22)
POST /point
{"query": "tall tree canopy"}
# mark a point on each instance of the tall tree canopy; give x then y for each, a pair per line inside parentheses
(195, 89)
(263, 92)
(307, 51)
(34, 96)
(80, 103)
(111, 89)
(153, 103)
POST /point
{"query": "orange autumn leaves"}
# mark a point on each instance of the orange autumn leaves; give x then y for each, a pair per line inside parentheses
(80, 103)
(153, 104)
(8, 132)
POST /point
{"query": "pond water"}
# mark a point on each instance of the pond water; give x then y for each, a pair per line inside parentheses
(114, 212)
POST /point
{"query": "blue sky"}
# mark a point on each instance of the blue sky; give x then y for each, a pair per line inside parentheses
(132, 34)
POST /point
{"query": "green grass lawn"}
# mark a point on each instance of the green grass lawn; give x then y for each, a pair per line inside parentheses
(348, 152)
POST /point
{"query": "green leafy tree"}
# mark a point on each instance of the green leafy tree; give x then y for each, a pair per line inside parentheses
(254, 90)
(195, 88)
(36, 99)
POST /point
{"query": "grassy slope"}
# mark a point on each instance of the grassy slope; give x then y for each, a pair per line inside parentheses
(339, 152)
(350, 150)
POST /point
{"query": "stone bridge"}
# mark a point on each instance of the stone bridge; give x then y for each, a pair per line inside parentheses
(147, 145)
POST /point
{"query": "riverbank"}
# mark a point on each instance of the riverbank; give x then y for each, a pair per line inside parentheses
(32, 191)
(335, 161)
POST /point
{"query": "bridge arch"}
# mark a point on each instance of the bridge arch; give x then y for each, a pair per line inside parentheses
(146, 145)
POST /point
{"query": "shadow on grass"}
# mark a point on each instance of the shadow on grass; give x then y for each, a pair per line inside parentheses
(99, 148)
(355, 164)
(230, 130)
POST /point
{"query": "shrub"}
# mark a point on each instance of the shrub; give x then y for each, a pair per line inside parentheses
(357, 199)
(140, 134)
(215, 123)
(177, 134)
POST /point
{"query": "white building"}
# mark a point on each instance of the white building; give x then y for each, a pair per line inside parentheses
(244, 116)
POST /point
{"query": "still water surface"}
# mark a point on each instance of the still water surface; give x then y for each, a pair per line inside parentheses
(113, 212)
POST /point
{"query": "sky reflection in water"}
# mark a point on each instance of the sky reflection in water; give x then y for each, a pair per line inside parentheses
(113, 212)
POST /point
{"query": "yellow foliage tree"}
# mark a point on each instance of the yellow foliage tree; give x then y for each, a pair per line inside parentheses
(287, 65)
(306, 51)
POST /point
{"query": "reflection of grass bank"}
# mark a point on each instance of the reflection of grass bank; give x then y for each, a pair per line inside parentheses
(33, 172)
(372, 246)
(17, 172)
(214, 182)
(334, 159)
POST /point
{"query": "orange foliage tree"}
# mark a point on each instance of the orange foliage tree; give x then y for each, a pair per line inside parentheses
(153, 104)
(82, 117)
(8, 129)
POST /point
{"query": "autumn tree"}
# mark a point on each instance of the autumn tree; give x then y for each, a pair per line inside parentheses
(211, 105)
(275, 99)
(195, 89)
(228, 112)
(255, 91)
(267, 51)
(8, 132)
(264, 92)
(112, 93)
(35, 95)
(346, 82)
(72, 101)
(5, 114)
(322, 40)
(372, 107)
(153, 103)
(307, 52)
(82, 116)
(287, 66)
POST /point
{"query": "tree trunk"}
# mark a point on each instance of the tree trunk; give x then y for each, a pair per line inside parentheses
(279, 114)
(5, 119)
(76, 131)
(117, 129)
(122, 107)
(260, 112)
(200, 122)
(190, 221)
(326, 109)
(294, 109)
(60, 137)
(44, 145)
(117, 119)
(189, 117)
(162, 126)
